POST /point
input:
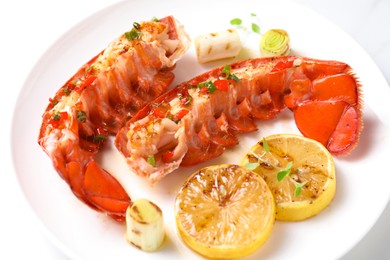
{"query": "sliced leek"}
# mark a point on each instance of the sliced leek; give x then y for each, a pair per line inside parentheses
(145, 225)
(275, 42)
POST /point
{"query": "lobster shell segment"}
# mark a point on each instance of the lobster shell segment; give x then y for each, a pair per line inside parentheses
(198, 119)
(97, 101)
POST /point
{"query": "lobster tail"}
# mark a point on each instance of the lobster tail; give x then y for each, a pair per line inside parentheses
(324, 96)
(97, 101)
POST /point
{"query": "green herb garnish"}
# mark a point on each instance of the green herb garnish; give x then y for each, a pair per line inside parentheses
(285, 172)
(57, 116)
(99, 138)
(188, 100)
(233, 77)
(245, 28)
(81, 116)
(236, 21)
(255, 28)
(66, 91)
(134, 34)
(136, 25)
(151, 160)
(298, 187)
(209, 85)
(226, 70)
(282, 174)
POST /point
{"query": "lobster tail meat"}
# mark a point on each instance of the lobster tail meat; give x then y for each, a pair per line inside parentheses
(198, 119)
(97, 101)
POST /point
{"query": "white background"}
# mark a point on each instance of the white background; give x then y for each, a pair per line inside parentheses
(29, 28)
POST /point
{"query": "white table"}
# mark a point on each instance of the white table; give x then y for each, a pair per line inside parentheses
(28, 28)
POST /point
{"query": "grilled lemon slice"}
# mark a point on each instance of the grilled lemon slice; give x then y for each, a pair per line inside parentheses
(299, 171)
(224, 211)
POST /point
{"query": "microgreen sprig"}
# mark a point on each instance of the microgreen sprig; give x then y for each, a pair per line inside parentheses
(245, 29)
(254, 27)
(81, 116)
(236, 21)
(298, 187)
(282, 173)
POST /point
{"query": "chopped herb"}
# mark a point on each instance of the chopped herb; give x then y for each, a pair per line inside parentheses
(253, 14)
(66, 91)
(99, 138)
(226, 70)
(235, 21)
(151, 160)
(184, 100)
(209, 85)
(154, 19)
(81, 116)
(57, 116)
(233, 77)
(133, 35)
(285, 172)
(136, 25)
(100, 135)
(173, 119)
(58, 119)
(188, 100)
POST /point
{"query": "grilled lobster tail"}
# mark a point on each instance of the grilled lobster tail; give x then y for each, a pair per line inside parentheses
(197, 120)
(96, 102)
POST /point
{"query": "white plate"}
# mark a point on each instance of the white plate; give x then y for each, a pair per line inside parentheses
(80, 232)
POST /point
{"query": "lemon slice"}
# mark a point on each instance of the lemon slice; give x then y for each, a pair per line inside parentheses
(306, 172)
(224, 211)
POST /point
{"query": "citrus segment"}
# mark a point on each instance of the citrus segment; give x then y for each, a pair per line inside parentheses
(299, 171)
(224, 211)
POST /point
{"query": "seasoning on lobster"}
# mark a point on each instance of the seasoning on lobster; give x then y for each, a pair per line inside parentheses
(198, 119)
(99, 98)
